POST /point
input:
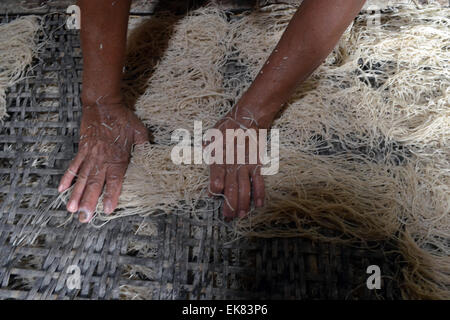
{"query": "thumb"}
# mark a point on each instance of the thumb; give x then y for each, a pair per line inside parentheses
(140, 133)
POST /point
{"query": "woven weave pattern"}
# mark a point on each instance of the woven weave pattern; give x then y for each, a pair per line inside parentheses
(193, 255)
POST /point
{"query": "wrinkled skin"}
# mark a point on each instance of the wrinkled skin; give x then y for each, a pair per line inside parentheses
(237, 182)
(107, 134)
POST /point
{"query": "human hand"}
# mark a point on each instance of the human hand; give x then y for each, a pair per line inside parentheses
(107, 134)
(238, 182)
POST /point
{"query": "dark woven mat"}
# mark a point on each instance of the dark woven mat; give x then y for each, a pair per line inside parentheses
(193, 256)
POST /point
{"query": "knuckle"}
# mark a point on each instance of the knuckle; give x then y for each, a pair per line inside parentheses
(93, 183)
(71, 170)
(108, 195)
(230, 170)
(221, 170)
(115, 178)
(82, 176)
(76, 195)
(218, 184)
(95, 149)
(231, 188)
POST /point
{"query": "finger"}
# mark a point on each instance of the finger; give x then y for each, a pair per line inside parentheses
(114, 180)
(80, 184)
(258, 187)
(216, 178)
(244, 191)
(231, 193)
(72, 171)
(92, 192)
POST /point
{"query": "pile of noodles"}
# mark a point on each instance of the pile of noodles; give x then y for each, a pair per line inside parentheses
(17, 49)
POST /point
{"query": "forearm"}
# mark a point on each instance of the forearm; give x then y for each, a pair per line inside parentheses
(103, 40)
(310, 36)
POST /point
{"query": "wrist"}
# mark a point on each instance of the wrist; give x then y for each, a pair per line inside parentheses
(260, 114)
(100, 98)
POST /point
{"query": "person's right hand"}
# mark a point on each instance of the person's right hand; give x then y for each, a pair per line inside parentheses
(107, 134)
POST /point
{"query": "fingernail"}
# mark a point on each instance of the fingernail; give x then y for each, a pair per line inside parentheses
(259, 203)
(83, 216)
(60, 189)
(71, 207)
(108, 207)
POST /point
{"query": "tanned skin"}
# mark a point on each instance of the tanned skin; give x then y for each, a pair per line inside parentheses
(109, 129)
